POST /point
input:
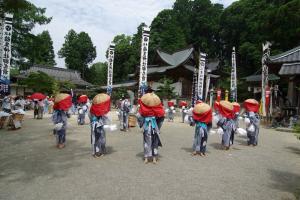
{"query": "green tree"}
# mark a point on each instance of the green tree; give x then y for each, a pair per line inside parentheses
(97, 74)
(41, 82)
(122, 63)
(26, 16)
(166, 91)
(78, 51)
(40, 51)
(166, 33)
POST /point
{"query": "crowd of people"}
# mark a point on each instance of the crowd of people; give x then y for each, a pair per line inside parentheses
(150, 115)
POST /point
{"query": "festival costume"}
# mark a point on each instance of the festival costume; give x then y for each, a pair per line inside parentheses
(184, 109)
(170, 111)
(226, 114)
(252, 107)
(62, 103)
(151, 119)
(236, 111)
(124, 112)
(82, 109)
(99, 108)
(202, 115)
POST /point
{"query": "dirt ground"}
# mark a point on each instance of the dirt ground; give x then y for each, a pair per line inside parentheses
(32, 168)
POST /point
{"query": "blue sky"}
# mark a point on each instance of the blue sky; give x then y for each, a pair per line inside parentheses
(101, 19)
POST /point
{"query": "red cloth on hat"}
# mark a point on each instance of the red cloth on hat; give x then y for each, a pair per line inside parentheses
(64, 104)
(183, 103)
(225, 112)
(154, 111)
(82, 99)
(170, 103)
(101, 108)
(217, 105)
(198, 101)
(204, 117)
(236, 108)
(251, 107)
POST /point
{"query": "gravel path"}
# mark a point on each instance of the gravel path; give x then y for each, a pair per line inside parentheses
(32, 168)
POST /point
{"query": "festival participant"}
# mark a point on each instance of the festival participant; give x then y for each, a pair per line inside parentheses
(46, 105)
(62, 104)
(236, 111)
(184, 109)
(151, 118)
(124, 112)
(171, 111)
(252, 107)
(82, 109)
(99, 108)
(51, 104)
(226, 113)
(216, 107)
(6, 103)
(202, 116)
(40, 105)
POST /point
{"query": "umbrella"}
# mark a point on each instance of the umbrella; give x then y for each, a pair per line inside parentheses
(82, 99)
(38, 96)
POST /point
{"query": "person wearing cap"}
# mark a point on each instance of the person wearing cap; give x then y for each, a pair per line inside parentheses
(82, 109)
(151, 118)
(252, 107)
(202, 116)
(125, 109)
(62, 103)
(236, 111)
(98, 116)
(226, 114)
(171, 111)
(184, 109)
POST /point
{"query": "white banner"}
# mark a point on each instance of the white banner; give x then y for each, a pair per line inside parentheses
(233, 82)
(201, 75)
(264, 75)
(6, 53)
(144, 60)
(111, 55)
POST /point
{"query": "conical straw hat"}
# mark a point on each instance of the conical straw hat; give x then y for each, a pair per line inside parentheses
(100, 98)
(59, 97)
(252, 101)
(150, 99)
(201, 108)
(226, 104)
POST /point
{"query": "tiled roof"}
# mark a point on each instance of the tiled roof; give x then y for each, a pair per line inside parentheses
(60, 74)
(290, 69)
(257, 78)
(292, 55)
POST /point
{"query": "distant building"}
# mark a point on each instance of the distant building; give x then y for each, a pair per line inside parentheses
(59, 74)
(178, 66)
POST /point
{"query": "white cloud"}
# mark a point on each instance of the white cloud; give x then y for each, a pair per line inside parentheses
(101, 19)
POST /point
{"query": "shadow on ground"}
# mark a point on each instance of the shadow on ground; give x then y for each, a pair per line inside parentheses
(294, 150)
(286, 182)
(41, 159)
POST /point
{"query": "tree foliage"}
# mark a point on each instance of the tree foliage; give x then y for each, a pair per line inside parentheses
(166, 91)
(41, 82)
(25, 16)
(41, 50)
(78, 51)
(97, 74)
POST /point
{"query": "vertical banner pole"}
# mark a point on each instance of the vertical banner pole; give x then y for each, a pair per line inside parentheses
(110, 71)
(264, 75)
(194, 88)
(201, 75)
(5, 62)
(144, 61)
(233, 82)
